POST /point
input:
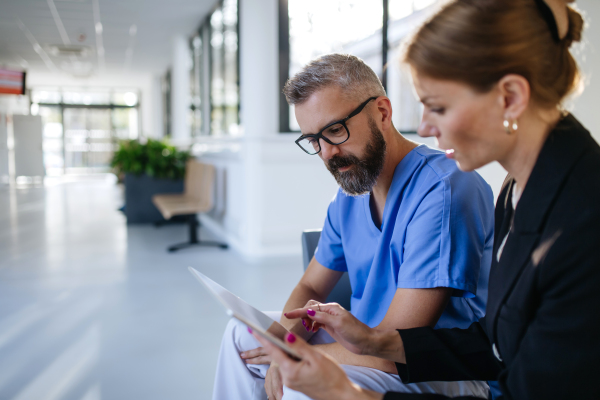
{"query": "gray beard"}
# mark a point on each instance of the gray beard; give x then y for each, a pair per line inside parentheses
(361, 178)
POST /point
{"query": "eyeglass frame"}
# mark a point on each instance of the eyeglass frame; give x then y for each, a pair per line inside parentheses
(342, 121)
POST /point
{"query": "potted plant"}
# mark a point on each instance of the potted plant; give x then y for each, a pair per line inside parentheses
(147, 169)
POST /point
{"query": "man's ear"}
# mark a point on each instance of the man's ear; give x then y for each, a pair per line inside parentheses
(384, 106)
(515, 95)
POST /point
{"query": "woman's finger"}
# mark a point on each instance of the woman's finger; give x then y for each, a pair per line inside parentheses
(282, 358)
(259, 351)
(260, 360)
(316, 326)
(329, 308)
(323, 317)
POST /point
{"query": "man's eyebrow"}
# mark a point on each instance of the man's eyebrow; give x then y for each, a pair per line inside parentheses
(327, 124)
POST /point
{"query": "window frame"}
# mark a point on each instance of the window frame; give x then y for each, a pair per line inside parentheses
(284, 60)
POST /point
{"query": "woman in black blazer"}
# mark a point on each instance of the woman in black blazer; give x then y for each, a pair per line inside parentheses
(492, 75)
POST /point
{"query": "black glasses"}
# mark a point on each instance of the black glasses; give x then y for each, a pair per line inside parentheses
(335, 133)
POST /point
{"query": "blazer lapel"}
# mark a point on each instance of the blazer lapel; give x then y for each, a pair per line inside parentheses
(563, 147)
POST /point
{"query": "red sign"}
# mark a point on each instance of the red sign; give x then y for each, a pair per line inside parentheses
(12, 82)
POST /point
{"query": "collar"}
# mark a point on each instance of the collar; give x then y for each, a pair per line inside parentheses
(563, 148)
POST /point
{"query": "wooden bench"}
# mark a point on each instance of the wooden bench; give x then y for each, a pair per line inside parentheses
(197, 197)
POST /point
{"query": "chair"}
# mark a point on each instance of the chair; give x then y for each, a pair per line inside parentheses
(196, 198)
(342, 291)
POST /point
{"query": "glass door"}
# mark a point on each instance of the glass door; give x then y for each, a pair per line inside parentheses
(88, 140)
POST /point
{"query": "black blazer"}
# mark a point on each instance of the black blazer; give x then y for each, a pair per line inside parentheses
(540, 338)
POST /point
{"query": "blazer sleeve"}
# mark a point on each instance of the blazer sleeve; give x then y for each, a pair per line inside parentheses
(447, 355)
(423, 396)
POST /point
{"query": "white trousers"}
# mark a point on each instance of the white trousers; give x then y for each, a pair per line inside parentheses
(236, 380)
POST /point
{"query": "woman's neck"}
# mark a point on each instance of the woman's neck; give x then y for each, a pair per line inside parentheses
(529, 139)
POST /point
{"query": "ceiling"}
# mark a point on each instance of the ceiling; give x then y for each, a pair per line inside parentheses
(118, 35)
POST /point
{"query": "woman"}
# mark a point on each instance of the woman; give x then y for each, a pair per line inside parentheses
(492, 75)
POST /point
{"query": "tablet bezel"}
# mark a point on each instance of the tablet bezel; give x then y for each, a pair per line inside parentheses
(259, 330)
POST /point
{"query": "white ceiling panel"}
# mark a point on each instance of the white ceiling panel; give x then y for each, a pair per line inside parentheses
(23, 23)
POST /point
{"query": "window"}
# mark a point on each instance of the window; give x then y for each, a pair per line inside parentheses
(82, 126)
(196, 74)
(310, 28)
(224, 81)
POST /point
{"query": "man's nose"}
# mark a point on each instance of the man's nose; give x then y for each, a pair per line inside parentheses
(328, 150)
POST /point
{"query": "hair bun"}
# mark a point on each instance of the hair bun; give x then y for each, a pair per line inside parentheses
(575, 27)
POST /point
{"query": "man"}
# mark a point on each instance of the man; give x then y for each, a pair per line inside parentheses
(413, 232)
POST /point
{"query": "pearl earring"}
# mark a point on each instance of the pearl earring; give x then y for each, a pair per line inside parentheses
(507, 126)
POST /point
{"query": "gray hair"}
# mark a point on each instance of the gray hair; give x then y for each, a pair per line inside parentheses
(355, 78)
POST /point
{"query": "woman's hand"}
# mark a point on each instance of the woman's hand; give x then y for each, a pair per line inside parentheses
(316, 375)
(274, 383)
(339, 323)
(308, 324)
(256, 356)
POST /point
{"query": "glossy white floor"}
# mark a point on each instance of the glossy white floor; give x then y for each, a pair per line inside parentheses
(91, 308)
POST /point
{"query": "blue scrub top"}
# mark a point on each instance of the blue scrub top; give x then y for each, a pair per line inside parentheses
(437, 231)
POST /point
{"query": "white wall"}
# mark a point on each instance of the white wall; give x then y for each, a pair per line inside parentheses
(29, 156)
(3, 148)
(180, 90)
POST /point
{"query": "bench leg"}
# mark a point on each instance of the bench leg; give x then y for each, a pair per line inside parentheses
(194, 224)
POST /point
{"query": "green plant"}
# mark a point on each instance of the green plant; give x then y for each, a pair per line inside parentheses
(155, 158)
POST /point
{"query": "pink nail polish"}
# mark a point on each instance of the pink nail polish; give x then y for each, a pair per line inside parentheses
(290, 338)
(249, 330)
(311, 312)
(304, 323)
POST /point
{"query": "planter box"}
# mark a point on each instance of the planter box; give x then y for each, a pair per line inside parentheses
(138, 197)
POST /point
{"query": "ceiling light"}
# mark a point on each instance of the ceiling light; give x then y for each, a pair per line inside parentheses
(99, 28)
(67, 51)
(133, 30)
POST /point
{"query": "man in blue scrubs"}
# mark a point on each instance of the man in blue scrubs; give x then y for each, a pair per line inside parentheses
(413, 232)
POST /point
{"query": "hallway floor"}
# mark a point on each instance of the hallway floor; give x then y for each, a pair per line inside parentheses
(92, 309)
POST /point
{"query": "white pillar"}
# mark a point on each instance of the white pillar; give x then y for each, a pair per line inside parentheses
(156, 131)
(259, 106)
(180, 90)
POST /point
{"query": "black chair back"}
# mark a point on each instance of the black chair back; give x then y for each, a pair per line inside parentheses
(342, 291)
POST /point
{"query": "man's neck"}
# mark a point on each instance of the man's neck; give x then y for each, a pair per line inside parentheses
(397, 147)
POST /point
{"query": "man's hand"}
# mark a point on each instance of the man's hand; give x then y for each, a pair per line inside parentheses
(274, 383)
(257, 356)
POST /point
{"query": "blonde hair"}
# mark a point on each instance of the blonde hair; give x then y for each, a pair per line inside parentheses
(477, 42)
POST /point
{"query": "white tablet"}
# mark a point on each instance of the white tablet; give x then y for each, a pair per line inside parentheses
(262, 324)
